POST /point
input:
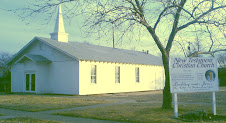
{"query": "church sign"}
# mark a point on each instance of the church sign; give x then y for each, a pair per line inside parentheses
(193, 75)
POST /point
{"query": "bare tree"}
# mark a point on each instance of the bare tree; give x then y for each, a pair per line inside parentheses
(164, 20)
(213, 46)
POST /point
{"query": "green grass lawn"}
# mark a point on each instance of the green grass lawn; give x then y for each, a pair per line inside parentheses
(43, 102)
(137, 112)
(27, 120)
(140, 112)
(146, 112)
(157, 96)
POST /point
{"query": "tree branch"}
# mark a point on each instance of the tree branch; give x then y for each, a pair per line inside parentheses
(211, 53)
(210, 38)
(175, 23)
(157, 41)
(161, 14)
(196, 20)
(134, 6)
(183, 49)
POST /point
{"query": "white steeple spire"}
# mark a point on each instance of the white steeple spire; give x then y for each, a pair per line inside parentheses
(59, 31)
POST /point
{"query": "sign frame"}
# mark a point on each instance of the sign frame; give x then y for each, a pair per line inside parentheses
(203, 79)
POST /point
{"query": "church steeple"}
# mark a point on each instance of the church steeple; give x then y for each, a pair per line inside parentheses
(59, 31)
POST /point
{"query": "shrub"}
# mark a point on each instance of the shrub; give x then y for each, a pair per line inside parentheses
(199, 116)
(5, 83)
(222, 76)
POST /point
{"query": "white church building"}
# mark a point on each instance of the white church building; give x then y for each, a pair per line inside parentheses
(58, 66)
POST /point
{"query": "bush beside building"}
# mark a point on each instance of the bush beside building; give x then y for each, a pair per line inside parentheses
(222, 76)
(5, 82)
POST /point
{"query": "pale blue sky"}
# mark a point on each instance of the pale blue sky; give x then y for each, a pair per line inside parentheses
(15, 33)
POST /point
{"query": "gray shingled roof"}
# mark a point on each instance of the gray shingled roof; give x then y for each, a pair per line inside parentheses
(84, 51)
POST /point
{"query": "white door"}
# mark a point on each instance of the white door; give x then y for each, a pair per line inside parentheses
(30, 82)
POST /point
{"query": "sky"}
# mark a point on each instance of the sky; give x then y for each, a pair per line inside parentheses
(15, 33)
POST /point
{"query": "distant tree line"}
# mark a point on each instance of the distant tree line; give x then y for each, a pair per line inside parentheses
(5, 75)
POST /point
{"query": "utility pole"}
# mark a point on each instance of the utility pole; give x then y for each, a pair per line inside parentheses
(113, 34)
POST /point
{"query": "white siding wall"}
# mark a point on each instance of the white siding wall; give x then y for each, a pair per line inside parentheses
(18, 72)
(60, 76)
(17, 78)
(39, 48)
(63, 77)
(151, 78)
(42, 78)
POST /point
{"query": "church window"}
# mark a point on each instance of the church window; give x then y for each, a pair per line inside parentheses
(137, 74)
(93, 74)
(117, 74)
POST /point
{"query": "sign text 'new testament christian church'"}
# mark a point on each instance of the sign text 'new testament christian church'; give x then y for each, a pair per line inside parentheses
(193, 75)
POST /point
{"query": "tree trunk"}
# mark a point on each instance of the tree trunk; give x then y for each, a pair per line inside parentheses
(167, 97)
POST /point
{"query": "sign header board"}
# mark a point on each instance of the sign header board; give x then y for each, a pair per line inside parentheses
(193, 75)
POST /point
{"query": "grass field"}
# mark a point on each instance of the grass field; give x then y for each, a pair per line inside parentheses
(146, 107)
(145, 112)
(27, 120)
(137, 112)
(43, 102)
(157, 96)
